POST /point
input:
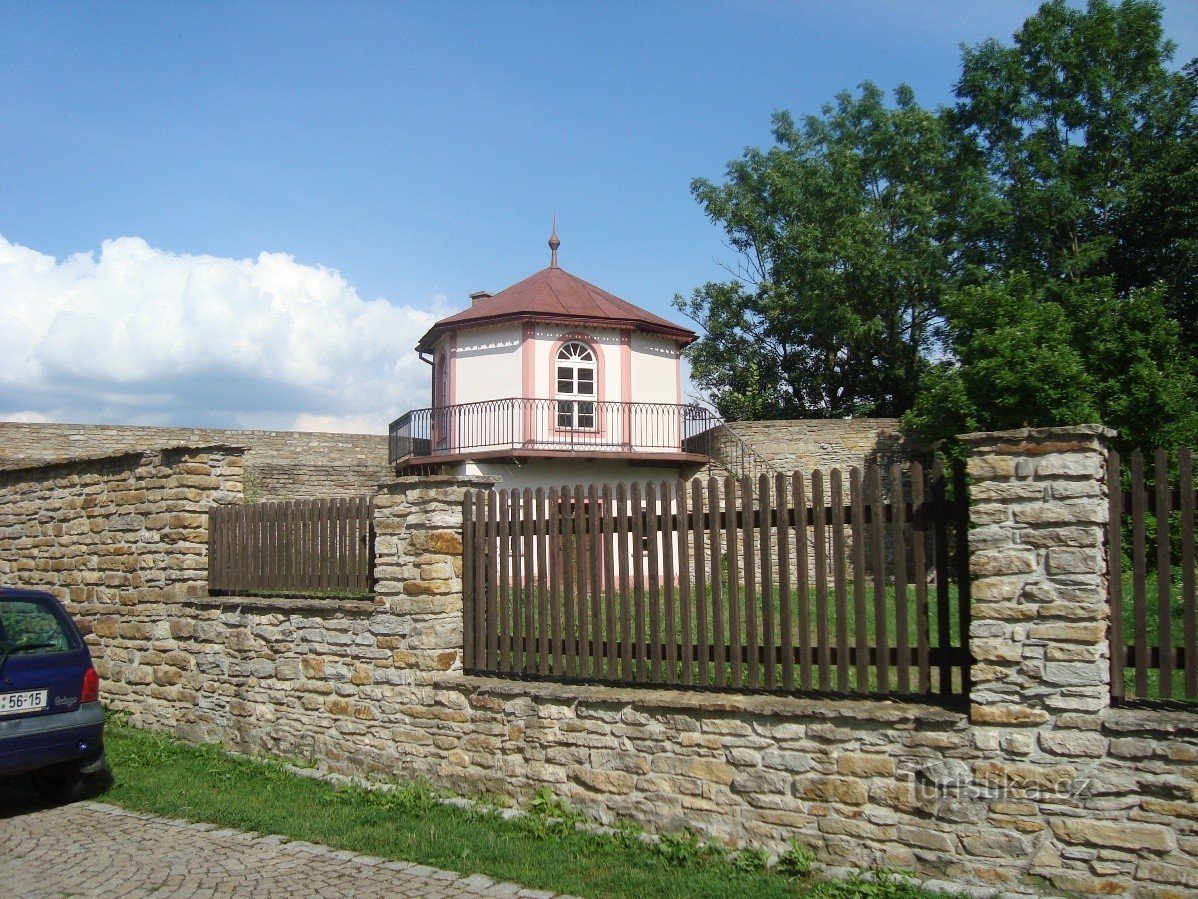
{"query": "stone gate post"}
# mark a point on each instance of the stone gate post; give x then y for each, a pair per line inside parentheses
(1038, 507)
(418, 567)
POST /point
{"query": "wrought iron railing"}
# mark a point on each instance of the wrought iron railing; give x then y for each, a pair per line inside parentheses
(731, 452)
(553, 425)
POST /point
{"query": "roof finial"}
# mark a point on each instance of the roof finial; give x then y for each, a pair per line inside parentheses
(554, 243)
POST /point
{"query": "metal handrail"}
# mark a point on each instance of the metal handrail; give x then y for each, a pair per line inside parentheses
(735, 455)
(558, 424)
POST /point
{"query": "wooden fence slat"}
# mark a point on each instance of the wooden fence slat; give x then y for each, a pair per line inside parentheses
(609, 579)
(1185, 481)
(668, 547)
(652, 545)
(214, 552)
(839, 578)
(334, 545)
(541, 643)
(860, 638)
(595, 548)
(266, 526)
(731, 526)
(249, 550)
(766, 604)
(1139, 571)
(898, 540)
(528, 515)
(751, 601)
(347, 532)
(494, 560)
(581, 570)
(919, 571)
(365, 545)
(624, 559)
(1164, 583)
(785, 598)
(799, 501)
(821, 576)
(636, 561)
(940, 521)
(507, 558)
(329, 545)
(701, 536)
(686, 528)
(878, 561)
(567, 666)
(264, 545)
(553, 629)
(719, 655)
(353, 547)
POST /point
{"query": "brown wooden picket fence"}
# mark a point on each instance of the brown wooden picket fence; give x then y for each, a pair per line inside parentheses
(1154, 612)
(784, 585)
(315, 546)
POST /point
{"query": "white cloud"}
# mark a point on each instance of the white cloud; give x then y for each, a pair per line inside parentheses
(144, 336)
(26, 416)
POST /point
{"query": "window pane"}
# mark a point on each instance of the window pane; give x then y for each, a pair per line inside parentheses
(566, 386)
(31, 624)
(586, 415)
(565, 415)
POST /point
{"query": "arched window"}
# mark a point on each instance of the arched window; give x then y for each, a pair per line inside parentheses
(575, 386)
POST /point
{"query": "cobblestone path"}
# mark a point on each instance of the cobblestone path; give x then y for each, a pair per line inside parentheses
(92, 849)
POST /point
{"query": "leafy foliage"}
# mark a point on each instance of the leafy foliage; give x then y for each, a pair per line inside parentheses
(1027, 257)
(848, 231)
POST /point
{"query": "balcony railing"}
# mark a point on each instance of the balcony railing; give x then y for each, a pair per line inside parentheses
(571, 425)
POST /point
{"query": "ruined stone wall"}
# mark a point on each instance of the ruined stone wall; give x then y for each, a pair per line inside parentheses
(278, 464)
(1039, 783)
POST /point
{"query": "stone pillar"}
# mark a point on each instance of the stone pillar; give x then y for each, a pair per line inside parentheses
(1038, 506)
(418, 568)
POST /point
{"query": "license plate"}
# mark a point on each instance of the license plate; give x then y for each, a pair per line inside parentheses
(28, 701)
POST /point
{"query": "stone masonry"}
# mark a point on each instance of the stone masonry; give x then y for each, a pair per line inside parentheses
(277, 464)
(1039, 783)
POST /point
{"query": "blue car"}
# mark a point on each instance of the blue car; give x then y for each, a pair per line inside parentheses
(51, 720)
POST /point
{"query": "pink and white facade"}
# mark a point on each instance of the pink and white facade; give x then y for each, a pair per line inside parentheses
(554, 381)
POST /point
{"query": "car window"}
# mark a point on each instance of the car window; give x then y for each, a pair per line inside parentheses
(32, 623)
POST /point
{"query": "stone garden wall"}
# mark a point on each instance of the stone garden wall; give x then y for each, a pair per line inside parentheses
(277, 464)
(1039, 783)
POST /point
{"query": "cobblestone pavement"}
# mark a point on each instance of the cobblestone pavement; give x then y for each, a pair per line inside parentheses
(93, 849)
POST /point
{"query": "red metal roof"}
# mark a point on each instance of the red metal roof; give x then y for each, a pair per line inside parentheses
(553, 294)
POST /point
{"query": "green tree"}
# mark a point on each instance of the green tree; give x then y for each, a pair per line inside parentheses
(1087, 137)
(1058, 352)
(1090, 140)
(849, 233)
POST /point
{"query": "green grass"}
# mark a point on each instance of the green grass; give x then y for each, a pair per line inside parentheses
(640, 629)
(153, 773)
(1153, 629)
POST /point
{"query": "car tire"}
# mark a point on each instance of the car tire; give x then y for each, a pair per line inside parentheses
(68, 783)
(59, 785)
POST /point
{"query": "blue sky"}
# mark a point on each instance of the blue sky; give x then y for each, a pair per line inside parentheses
(418, 149)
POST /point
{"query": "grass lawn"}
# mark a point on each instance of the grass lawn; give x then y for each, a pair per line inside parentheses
(640, 629)
(1153, 629)
(156, 774)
